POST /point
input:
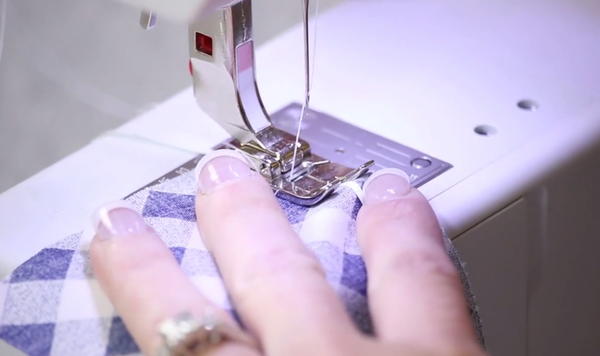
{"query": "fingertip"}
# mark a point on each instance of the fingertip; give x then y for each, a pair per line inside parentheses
(100, 216)
(215, 154)
(394, 211)
(390, 170)
(221, 166)
(386, 184)
(116, 219)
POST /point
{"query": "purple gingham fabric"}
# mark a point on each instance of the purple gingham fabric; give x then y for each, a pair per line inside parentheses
(53, 305)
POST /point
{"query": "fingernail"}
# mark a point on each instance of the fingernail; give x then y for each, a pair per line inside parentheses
(117, 219)
(219, 167)
(386, 184)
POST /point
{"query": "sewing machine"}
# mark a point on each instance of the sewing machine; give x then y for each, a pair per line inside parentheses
(302, 166)
(506, 93)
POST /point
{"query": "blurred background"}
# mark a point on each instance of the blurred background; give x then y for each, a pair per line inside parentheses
(71, 70)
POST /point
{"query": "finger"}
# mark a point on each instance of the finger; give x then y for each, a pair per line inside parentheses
(276, 283)
(414, 290)
(143, 280)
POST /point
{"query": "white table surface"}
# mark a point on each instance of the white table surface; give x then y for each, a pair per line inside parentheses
(423, 73)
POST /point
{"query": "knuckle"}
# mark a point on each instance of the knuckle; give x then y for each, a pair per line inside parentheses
(407, 210)
(141, 256)
(395, 222)
(428, 262)
(275, 269)
(283, 263)
(129, 255)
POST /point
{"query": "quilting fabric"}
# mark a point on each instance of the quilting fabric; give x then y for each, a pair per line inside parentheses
(53, 305)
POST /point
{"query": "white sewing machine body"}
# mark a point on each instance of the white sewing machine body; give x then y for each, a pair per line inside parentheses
(521, 203)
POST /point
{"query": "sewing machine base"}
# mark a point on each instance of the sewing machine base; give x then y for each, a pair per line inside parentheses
(344, 144)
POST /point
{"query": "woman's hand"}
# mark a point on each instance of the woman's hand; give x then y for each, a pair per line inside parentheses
(277, 285)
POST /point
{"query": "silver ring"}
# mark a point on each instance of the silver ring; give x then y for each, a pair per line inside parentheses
(186, 335)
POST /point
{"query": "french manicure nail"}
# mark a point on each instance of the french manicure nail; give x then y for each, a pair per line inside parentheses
(219, 167)
(117, 219)
(386, 184)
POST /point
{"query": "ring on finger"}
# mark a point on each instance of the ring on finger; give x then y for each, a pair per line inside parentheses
(186, 335)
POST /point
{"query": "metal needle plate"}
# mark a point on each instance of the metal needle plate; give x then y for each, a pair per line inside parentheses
(351, 146)
(345, 144)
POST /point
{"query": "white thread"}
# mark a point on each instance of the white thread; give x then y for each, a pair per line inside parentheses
(356, 188)
(314, 39)
(3, 10)
(309, 71)
(147, 140)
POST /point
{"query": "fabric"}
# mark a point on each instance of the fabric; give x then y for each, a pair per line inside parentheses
(53, 305)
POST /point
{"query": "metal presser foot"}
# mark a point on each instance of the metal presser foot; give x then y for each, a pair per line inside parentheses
(313, 178)
(222, 66)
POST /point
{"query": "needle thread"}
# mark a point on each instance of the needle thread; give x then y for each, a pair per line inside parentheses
(308, 73)
(3, 10)
(145, 140)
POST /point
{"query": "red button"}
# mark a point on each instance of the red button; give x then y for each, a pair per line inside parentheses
(204, 44)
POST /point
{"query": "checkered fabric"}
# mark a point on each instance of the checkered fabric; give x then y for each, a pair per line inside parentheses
(53, 305)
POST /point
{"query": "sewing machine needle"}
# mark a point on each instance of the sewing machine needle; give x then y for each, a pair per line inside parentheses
(307, 79)
(306, 53)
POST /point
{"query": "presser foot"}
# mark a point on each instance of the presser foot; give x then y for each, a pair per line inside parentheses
(307, 180)
(323, 165)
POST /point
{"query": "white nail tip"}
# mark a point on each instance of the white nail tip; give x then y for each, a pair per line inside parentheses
(101, 214)
(392, 171)
(216, 154)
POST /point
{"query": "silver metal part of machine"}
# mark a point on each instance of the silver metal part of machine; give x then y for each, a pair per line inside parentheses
(332, 139)
(349, 145)
(329, 154)
(222, 66)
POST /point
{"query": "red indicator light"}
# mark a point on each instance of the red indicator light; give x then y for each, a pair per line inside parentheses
(204, 44)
